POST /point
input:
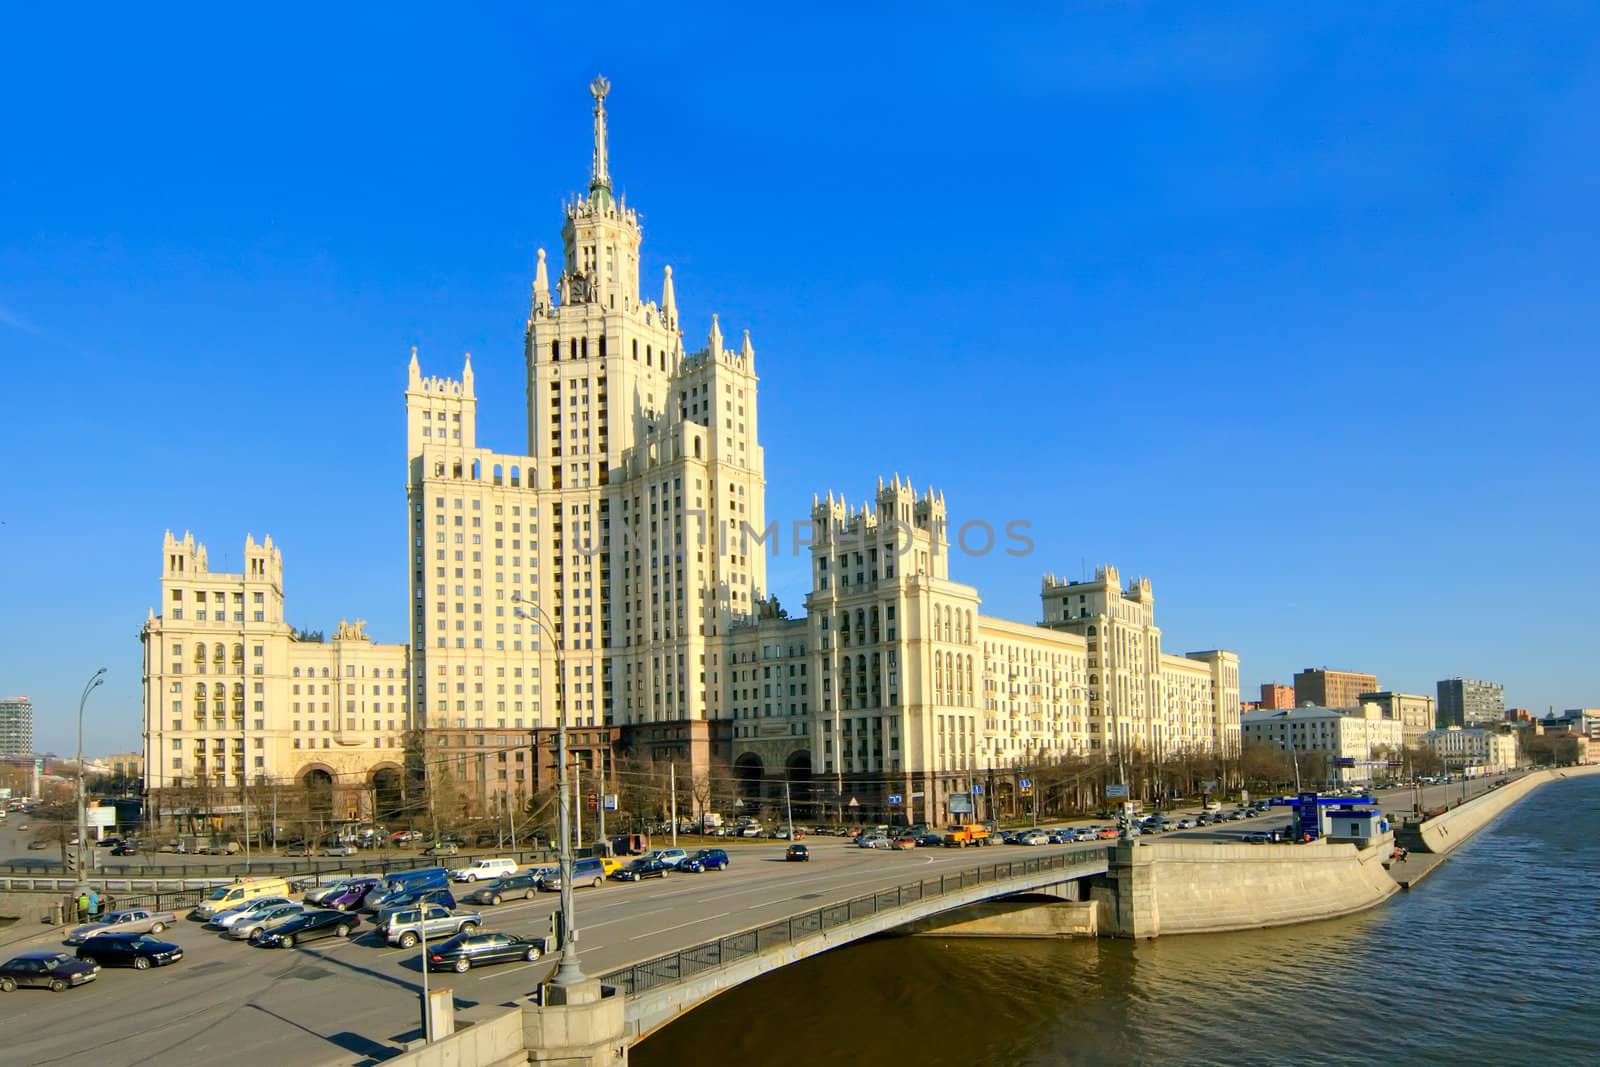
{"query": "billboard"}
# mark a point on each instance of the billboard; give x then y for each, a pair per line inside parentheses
(959, 803)
(98, 816)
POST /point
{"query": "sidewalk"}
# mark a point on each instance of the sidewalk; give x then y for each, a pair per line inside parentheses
(1414, 868)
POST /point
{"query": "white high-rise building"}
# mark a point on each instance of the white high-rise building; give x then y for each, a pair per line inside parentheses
(16, 727)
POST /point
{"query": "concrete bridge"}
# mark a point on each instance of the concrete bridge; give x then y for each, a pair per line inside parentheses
(659, 990)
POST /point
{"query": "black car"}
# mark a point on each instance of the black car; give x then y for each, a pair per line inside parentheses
(125, 848)
(419, 896)
(129, 950)
(930, 841)
(466, 951)
(797, 853)
(307, 926)
(524, 885)
(641, 869)
(55, 971)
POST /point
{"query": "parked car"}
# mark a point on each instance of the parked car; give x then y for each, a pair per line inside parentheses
(55, 971)
(126, 921)
(131, 950)
(246, 927)
(522, 885)
(706, 859)
(1256, 837)
(339, 848)
(307, 926)
(299, 848)
(797, 853)
(642, 868)
(1033, 837)
(442, 848)
(588, 871)
(484, 869)
(466, 951)
(405, 837)
(346, 895)
(669, 856)
(930, 841)
(874, 840)
(406, 926)
(414, 897)
(224, 920)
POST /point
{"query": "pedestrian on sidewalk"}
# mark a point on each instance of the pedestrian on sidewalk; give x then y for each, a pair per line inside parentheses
(94, 904)
(83, 907)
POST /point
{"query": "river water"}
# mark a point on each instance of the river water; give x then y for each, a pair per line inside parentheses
(1491, 960)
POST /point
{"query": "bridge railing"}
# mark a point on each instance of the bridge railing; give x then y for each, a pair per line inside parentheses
(686, 963)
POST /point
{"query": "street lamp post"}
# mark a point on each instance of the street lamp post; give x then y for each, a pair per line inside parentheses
(569, 973)
(95, 680)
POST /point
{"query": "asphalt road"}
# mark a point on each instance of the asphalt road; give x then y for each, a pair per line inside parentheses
(351, 1001)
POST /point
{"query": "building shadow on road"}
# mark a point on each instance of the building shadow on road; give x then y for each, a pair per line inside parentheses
(371, 1051)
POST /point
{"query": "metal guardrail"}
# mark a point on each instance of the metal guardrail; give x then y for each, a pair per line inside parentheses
(675, 967)
(18, 876)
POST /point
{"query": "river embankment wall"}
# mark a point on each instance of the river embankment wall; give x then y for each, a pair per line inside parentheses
(1449, 830)
(1210, 887)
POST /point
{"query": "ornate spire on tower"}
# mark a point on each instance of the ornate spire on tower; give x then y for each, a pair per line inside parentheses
(601, 179)
(669, 300)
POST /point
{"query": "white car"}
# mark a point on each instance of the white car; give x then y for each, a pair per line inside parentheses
(669, 856)
(874, 841)
(224, 920)
(1034, 837)
(488, 869)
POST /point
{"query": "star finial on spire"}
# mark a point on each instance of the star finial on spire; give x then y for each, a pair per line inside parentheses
(601, 179)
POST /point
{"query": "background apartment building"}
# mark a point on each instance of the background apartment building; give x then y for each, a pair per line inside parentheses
(1474, 751)
(236, 700)
(1470, 702)
(1336, 744)
(1321, 687)
(1414, 712)
(1275, 697)
(16, 727)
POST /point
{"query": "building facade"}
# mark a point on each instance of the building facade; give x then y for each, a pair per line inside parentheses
(1347, 741)
(1414, 712)
(1275, 697)
(236, 700)
(1474, 751)
(613, 574)
(1323, 688)
(16, 727)
(1470, 702)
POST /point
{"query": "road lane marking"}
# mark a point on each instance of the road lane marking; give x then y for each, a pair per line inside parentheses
(680, 926)
(511, 970)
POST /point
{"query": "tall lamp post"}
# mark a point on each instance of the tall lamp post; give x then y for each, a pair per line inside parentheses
(569, 973)
(95, 680)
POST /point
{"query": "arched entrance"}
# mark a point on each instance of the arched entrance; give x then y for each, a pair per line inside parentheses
(797, 772)
(316, 801)
(388, 793)
(748, 773)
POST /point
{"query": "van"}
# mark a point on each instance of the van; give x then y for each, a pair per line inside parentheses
(242, 892)
(587, 871)
(485, 868)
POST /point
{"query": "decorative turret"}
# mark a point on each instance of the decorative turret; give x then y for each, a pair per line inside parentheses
(466, 376)
(669, 300)
(541, 286)
(414, 372)
(748, 352)
(716, 338)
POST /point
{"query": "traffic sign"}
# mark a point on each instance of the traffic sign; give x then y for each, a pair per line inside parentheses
(1116, 792)
(592, 801)
(1025, 783)
(854, 803)
(977, 790)
(895, 798)
(611, 802)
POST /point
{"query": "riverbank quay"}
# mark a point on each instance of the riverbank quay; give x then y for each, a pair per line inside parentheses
(1430, 841)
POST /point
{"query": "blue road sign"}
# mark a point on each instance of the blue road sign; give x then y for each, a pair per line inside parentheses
(977, 790)
(1025, 783)
(894, 798)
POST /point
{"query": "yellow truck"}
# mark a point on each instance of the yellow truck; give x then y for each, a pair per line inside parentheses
(966, 834)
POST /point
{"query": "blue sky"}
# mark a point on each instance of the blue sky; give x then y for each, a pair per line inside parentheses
(1291, 310)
